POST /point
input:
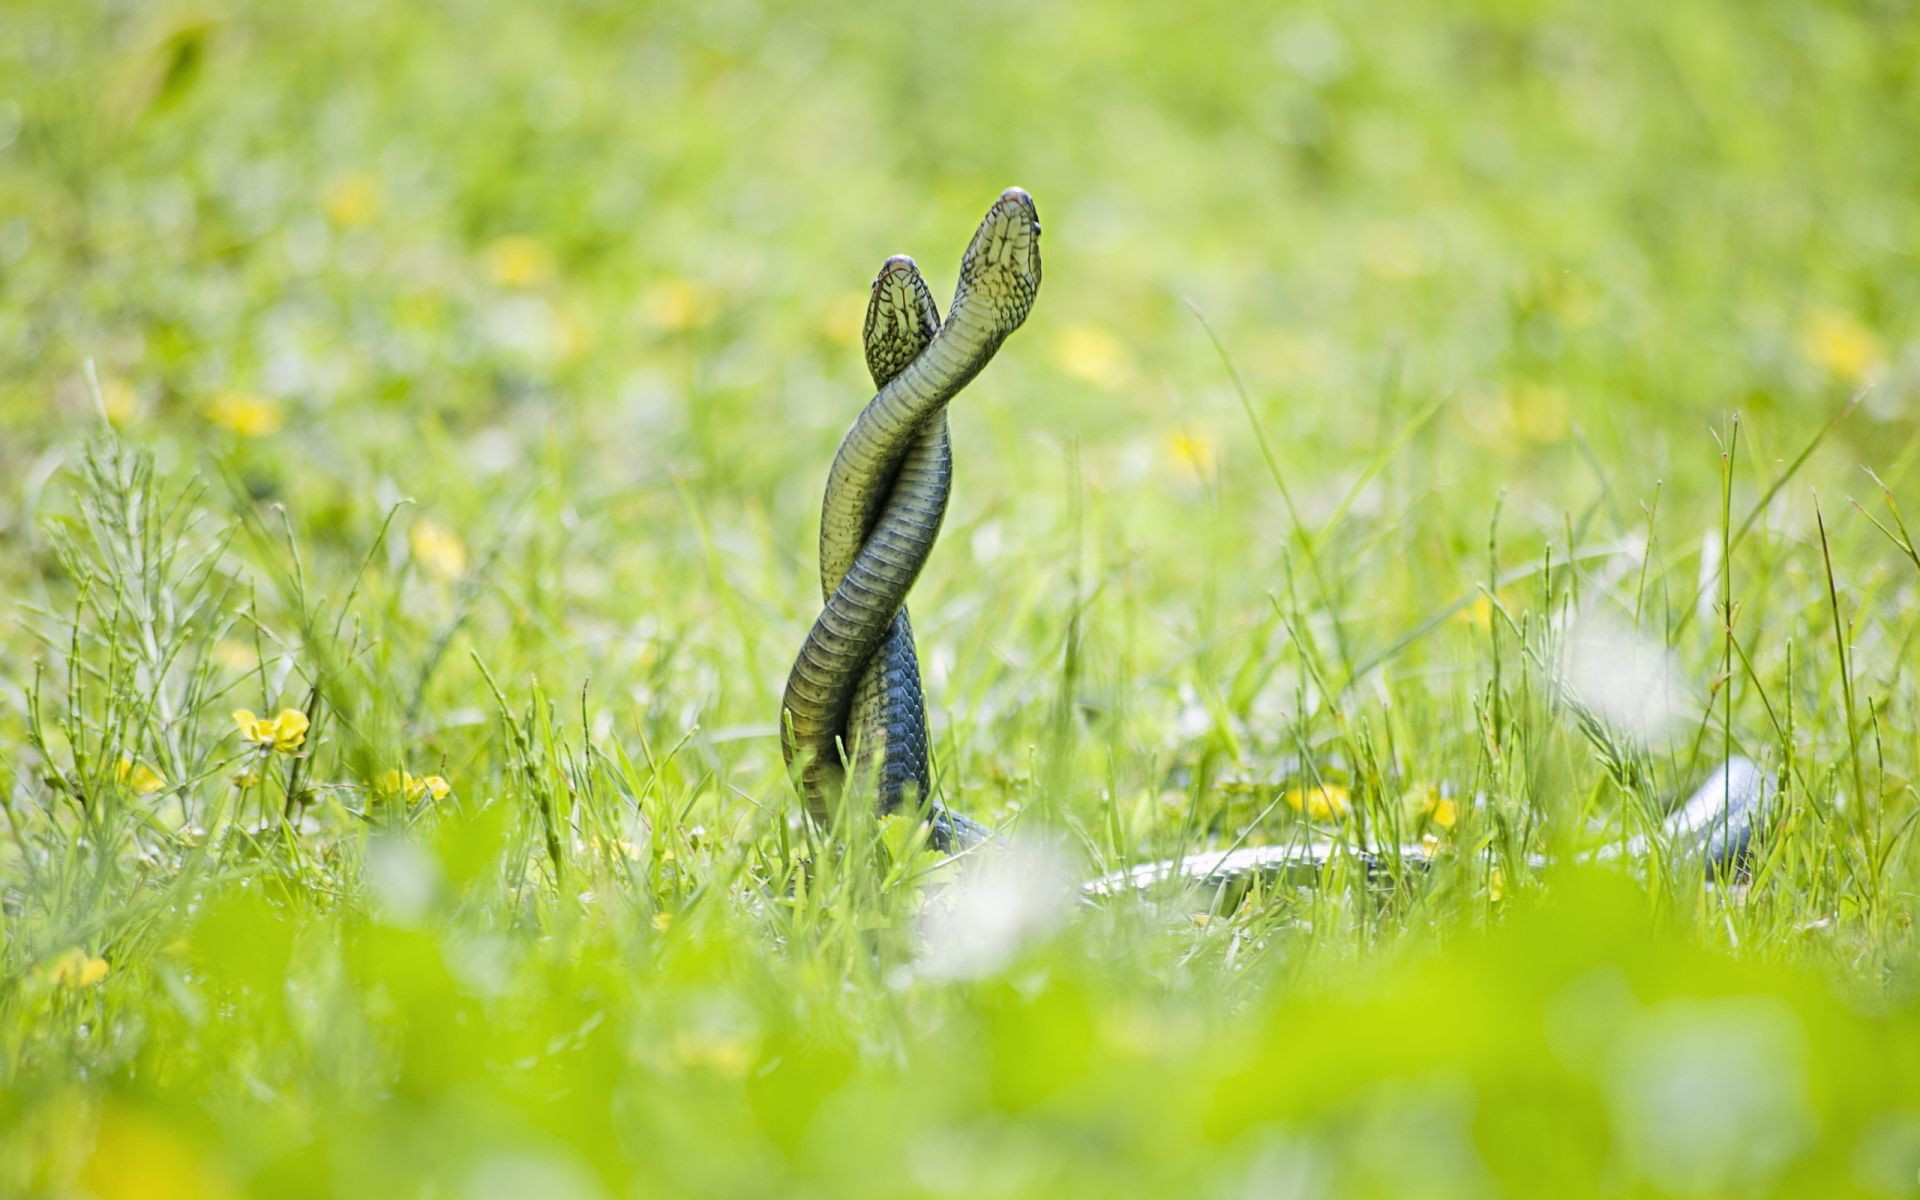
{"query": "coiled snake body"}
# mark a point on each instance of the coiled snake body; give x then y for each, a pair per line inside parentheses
(854, 693)
(855, 687)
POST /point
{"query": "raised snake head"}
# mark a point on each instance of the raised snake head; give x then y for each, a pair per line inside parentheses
(1000, 272)
(901, 319)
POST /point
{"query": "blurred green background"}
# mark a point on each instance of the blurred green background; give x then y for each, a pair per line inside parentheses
(498, 351)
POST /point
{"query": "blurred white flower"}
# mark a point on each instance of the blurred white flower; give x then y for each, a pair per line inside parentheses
(1710, 1096)
(1629, 680)
(1006, 897)
(498, 1176)
(403, 878)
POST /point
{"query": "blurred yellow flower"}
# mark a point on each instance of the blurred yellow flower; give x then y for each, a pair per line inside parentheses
(1320, 803)
(136, 1157)
(519, 262)
(141, 779)
(663, 920)
(282, 733)
(840, 323)
(1839, 343)
(1193, 453)
(235, 655)
(572, 335)
(1477, 613)
(353, 199)
(672, 305)
(1496, 885)
(1572, 300)
(1425, 800)
(75, 968)
(728, 1057)
(245, 414)
(1093, 355)
(437, 549)
(413, 789)
(1539, 412)
(118, 401)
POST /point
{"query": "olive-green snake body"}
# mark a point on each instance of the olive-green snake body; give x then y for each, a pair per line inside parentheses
(855, 688)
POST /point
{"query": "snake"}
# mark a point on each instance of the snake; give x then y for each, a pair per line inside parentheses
(855, 686)
(853, 712)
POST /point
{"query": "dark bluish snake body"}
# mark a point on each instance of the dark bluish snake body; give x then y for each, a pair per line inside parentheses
(854, 695)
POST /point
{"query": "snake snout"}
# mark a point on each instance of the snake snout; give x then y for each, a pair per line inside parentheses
(897, 283)
(1021, 227)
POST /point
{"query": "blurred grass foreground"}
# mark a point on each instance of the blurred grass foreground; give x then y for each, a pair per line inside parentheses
(412, 424)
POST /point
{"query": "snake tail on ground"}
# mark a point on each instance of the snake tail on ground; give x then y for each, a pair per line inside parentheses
(854, 695)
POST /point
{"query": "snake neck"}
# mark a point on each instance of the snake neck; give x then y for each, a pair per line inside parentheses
(881, 436)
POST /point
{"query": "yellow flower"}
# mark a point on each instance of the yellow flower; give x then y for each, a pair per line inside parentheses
(1192, 453)
(438, 549)
(77, 969)
(663, 920)
(282, 733)
(1841, 344)
(141, 779)
(1496, 885)
(1539, 412)
(353, 199)
(413, 788)
(248, 415)
(573, 336)
(840, 322)
(1478, 613)
(718, 1054)
(118, 401)
(235, 655)
(519, 262)
(139, 1157)
(673, 305)
(1093, 355)
(1424, 799)
(1320, 803)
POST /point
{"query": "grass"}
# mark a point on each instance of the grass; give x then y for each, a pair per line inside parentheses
(1508, 405)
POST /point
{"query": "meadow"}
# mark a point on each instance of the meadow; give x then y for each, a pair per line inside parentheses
(1460, 424)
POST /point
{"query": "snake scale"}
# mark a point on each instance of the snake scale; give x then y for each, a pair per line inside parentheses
(854, 699)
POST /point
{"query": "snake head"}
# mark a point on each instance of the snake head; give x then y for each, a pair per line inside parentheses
(901, 319)
(1002, 263)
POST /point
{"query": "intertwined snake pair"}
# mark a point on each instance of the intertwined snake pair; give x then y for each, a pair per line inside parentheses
(854, 698)
(855, 688)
